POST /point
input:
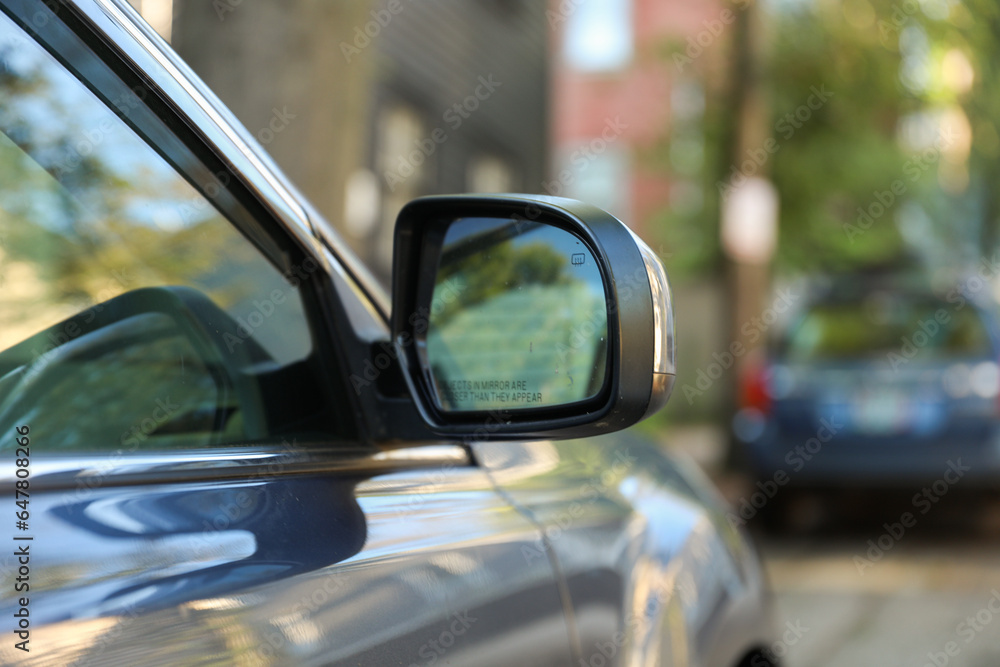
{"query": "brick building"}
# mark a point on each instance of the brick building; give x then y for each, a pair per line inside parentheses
(627, 101)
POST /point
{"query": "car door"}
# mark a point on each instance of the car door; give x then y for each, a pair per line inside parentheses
(655, 572)
(190, 475)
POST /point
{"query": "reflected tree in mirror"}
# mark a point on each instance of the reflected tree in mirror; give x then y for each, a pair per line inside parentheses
(518, 317)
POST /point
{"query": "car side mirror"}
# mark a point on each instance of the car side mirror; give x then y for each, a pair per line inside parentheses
(536, 316)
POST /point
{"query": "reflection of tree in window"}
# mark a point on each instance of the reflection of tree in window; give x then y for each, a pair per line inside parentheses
(88, 210)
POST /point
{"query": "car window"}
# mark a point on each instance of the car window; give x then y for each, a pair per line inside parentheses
(132, 312)
(876, 327)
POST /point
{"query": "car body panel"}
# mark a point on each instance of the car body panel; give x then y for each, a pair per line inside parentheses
(654, 572)
(276, 568)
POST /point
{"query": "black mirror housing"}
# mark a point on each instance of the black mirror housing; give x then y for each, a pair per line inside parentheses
(622, 355)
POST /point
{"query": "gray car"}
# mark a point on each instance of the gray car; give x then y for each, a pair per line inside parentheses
(224, 445)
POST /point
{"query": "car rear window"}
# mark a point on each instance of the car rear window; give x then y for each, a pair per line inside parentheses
(879, 325)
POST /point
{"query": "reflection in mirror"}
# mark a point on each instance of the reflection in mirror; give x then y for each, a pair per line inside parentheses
(139, 383)
(518, 317)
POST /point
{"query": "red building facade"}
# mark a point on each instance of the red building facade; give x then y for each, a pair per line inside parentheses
(627, 76)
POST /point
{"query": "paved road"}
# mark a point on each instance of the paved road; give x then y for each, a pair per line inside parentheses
(923, 604)
(859, 588)
(853, 591)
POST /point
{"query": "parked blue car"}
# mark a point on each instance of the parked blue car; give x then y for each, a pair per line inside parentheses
(224, 445)
(876, 386)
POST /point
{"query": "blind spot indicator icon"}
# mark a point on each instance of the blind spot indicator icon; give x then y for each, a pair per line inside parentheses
(578, 258)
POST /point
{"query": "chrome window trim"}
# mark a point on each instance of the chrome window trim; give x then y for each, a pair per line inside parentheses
(88, 473)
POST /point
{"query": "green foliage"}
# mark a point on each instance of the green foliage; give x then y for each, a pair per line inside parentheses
(834, 162)
(88, 210)
(974, 31)
(500, 269)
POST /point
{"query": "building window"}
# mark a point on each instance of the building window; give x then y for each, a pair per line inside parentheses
(599, 36)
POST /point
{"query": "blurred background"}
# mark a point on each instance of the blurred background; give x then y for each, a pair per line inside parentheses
(820, 180)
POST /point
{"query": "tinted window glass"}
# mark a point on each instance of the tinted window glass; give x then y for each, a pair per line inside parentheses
(876, 327)
(92, 218)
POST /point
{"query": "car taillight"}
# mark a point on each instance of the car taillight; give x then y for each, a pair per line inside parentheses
(754, 393)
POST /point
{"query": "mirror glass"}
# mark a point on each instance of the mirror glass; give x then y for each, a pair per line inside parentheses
(518, 317)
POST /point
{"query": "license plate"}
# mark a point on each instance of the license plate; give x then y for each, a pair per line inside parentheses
(881, 413)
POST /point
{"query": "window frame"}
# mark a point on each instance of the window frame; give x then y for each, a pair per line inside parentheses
(59, 28)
